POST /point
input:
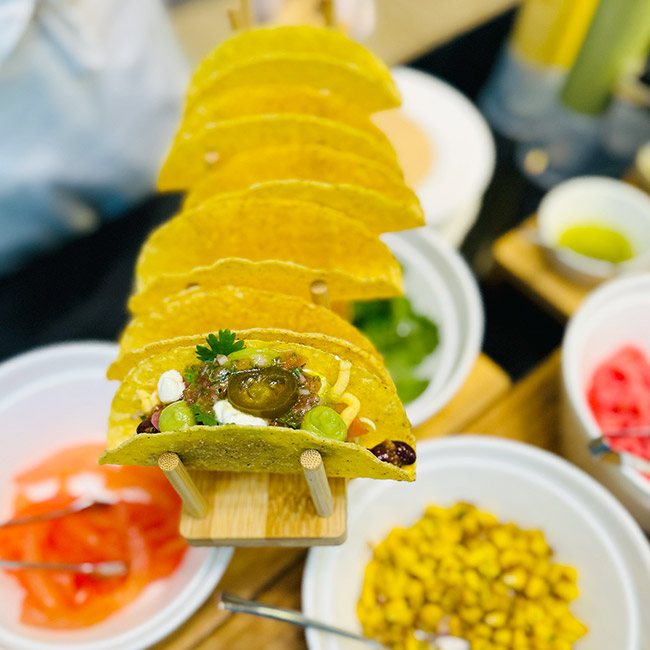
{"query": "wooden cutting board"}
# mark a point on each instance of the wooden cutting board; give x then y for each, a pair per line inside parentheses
(524, 263)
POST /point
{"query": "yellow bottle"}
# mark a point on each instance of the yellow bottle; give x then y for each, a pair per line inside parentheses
(550, 32)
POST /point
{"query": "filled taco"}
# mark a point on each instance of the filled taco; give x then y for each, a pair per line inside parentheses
(255, 405)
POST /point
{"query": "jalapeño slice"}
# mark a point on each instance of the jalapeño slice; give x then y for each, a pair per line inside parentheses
(265, 392)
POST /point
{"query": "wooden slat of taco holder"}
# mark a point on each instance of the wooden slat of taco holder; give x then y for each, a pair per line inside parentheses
(314, 471)
(196, 508)
(233, 17)
(327, 7)
(240, 17)
(259, 509)
(193, 502)
(320, 294)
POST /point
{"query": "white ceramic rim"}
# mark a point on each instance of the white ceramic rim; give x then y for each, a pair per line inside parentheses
(202, 583)
(572, 343)
(312, 590)
(444, 115)
(469, 305)
(592, 268)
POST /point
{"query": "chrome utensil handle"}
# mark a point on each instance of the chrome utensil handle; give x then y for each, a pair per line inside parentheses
(105, 569)
(82, 503)
(602, 451)
(244, 606)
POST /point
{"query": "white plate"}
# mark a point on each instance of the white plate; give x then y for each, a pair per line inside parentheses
(50, 398)
(441, 287)
(461, 141)
(585, 525)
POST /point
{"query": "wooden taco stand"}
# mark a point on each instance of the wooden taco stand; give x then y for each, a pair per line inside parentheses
(308, 509)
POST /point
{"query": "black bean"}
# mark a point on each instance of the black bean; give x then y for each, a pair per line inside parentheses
(146, 426)
(405, 452)
(395, 452)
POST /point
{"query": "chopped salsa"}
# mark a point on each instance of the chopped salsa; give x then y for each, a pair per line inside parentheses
(619, 397)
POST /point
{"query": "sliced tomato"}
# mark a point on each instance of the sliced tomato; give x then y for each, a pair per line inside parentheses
(142, 534)
(619, 393)
(357, 428)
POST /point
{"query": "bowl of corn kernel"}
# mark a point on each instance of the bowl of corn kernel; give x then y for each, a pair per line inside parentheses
(497, 542)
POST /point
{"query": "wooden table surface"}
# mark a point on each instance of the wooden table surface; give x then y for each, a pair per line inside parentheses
(525, 264)
(526, 411)
(404, 28)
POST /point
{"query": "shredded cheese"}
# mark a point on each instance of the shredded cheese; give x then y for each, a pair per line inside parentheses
(342, 382)
(352, 410)
(369, 422)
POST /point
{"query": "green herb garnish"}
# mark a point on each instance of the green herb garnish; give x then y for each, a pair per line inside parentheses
(290, 419)
(190, 374)
(403, 337)
(202, 417)
(296, 372)
(223, 343)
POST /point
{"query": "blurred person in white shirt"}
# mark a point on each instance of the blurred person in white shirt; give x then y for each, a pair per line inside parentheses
(90, 95)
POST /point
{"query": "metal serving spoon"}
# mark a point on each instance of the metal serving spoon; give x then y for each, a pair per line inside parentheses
(102, 569)
(242, 605)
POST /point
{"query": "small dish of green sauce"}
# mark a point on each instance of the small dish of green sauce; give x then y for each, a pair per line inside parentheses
(597, 241)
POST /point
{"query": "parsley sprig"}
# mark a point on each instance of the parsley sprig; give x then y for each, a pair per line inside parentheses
(203, 417)
(190, 374)
(223, 343)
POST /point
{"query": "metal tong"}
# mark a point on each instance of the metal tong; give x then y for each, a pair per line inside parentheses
(104, 569)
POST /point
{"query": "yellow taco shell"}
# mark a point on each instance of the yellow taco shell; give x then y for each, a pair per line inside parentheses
(368, 207)
(272, 100)
(197, 311)
(194, 154)
(360, 188)
(305, 162)
(290, 232)
(284, 277)
(336, 346)
(291, 39)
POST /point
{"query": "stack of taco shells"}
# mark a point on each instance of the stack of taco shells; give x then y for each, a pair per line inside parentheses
(287, 181)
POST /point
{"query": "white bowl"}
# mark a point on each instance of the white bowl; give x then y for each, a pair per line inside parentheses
(57, 396)
(463, 151)
(595, 200)
(613, 315)
(585, 525)
(440, 285)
